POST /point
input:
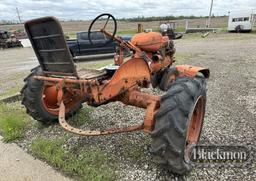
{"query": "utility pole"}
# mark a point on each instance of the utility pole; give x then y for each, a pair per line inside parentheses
(210, 15)
(18, 13)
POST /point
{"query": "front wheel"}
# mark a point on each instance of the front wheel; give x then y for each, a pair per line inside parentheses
(179, 121)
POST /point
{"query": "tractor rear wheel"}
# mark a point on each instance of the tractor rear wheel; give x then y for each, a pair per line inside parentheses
(41, 100)
(179, 121)
(168, 77)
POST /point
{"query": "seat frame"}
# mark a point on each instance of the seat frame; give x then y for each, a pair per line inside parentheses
(48, 41)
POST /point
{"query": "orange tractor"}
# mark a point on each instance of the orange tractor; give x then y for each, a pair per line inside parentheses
(55, 90)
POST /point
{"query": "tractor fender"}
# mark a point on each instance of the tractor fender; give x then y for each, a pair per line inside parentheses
(132, 73)
(192, 71)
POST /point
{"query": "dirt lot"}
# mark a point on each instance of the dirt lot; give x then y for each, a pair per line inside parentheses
(230, 114)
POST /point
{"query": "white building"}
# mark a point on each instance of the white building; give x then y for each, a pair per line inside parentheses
(240, 21)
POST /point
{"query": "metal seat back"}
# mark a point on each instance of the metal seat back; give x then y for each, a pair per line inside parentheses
(49, 44)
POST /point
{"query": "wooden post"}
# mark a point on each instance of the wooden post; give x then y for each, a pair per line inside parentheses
(140, 28)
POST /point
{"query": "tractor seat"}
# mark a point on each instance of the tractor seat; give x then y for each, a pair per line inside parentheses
(49, 44)
(90, 73)
(85, 73)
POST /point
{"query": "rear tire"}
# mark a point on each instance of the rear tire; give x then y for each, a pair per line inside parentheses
(238, 29)
(32, 99)
(156, 79)
(167, 77)
(169, 146)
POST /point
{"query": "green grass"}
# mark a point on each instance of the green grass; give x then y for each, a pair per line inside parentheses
(86, 164)
(83, 116)
(223, 30)
(127, 32)
(10, 92)
(180, 29)
(181, 57)
(13, 121)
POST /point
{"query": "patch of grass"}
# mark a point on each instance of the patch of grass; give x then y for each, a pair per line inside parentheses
(181, 57)
(13, 121)
(10, 92)
(82, 117)
(87, 164)
(180, 29)
(223, 30)
(127, 32)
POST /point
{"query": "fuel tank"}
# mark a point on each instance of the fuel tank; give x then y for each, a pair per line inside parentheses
(151, 41)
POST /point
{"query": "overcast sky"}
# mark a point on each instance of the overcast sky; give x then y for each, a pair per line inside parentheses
(87, 9)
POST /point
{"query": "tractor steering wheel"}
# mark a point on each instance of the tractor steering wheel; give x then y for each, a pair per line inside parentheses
(104, 17)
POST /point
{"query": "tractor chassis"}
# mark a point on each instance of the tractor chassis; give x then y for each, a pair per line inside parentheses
(130, 95)
(133, 96)
(56, 89)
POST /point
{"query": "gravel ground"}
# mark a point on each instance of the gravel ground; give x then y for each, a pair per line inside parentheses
(229, 120)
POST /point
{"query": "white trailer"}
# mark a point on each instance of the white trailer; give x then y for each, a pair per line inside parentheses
(241, 21)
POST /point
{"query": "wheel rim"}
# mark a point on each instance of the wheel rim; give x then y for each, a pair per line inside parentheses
(195, 126)
(50, 101)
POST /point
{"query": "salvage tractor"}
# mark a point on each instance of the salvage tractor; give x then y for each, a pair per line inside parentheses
(56, 89)
(8, 40)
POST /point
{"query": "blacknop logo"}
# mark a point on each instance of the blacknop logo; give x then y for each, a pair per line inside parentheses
(225, 156)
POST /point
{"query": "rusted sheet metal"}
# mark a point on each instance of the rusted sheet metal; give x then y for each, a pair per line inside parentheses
(149, 121)
(139, 99)
(54, 94)
(147, 101)
(133, 72)
(66, 80)
(135, 98)
(156, 66)
(191, 71)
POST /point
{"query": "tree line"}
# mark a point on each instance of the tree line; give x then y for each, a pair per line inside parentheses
(162, 18)
(134, 19)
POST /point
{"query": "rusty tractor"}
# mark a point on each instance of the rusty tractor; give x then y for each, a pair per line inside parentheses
(55, 90)
(8, 40)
